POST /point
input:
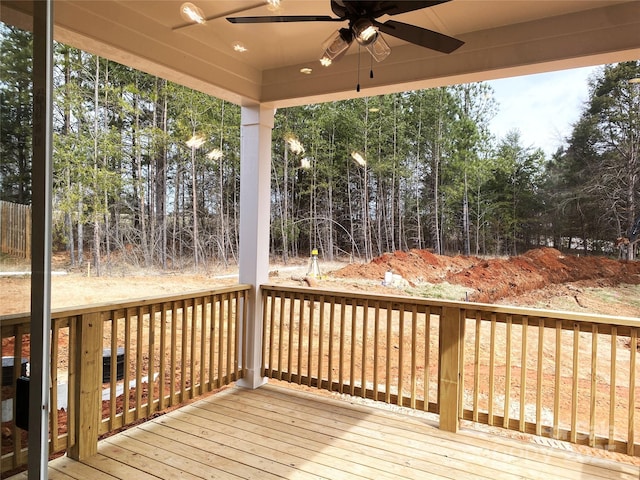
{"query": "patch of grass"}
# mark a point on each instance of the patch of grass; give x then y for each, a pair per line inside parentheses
(627, 294)
(442, 291)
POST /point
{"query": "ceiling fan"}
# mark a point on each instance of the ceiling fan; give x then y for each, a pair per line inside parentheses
(365, 28)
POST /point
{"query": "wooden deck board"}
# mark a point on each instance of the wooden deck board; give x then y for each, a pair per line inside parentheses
(276, 432)
(466, 447)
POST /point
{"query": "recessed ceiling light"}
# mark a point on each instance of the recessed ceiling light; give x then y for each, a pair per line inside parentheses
(306, 70)
(273, 5)
(357, 156)
(196, 141)
(239, 47)
(215, 154)
(191, 13)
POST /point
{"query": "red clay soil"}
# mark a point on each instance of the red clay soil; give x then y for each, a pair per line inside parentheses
(493, 279)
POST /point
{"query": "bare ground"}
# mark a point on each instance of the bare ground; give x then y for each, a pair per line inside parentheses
(542, 278)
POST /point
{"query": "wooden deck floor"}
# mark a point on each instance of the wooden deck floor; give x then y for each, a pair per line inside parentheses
(276, 432)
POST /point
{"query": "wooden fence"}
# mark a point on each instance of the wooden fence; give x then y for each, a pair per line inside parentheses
(15, 229)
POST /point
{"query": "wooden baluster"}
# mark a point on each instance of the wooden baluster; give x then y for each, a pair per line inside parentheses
(556, 390)
(574, 384)
(163, 348)
(352, 339)
(365, 340)
(230, 337)
(492, 366)
(127, 368)
(113, 372)
(300, 340)
(174, 349)
(376, 348)
(387, 383)
(427, 358)
(507, 378)
(343, 308)
(310, 339)
(523, 373)
(292, 303)
(321, 342)
(594, 385)
(139, 366)
(540, 366)
(204, 306)
(476, 366)
(332, 315)
(414, 360)
(283, 304)
(631, 410)
(268, 331)
(400, 355)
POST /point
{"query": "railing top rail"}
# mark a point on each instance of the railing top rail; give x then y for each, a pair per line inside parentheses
(482, 307)
(22, 318)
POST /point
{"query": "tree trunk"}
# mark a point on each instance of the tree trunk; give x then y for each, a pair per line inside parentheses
(96, 222)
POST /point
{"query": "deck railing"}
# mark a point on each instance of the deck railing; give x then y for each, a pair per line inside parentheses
(565, 376)
(168, 350)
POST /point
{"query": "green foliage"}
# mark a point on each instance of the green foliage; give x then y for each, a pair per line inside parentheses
(15, 114)
(432, 175)
(596, 181)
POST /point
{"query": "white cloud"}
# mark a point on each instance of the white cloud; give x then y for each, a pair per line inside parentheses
(542, 107)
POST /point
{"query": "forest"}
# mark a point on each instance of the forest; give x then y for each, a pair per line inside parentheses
(149, 169)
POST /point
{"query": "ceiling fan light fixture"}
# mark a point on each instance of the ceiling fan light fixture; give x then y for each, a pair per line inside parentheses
(191, 13)
(335, 46)
(365, 32)
(379, 49)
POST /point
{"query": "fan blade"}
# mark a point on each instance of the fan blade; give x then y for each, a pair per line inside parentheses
(398, 7)
(420, 36)
(286, 18)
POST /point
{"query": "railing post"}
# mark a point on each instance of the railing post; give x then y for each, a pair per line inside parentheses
(87, 394)
(449, 367)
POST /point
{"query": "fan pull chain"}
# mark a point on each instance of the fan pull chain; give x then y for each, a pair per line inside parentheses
(358, 76)
(371, 66)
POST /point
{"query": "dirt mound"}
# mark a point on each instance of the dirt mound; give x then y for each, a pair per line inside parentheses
(496, 278)
(414, 266)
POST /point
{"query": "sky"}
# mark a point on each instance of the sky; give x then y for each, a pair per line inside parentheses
(542, 107)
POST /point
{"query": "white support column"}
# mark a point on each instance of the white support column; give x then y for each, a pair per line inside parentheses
(41, 177)
(255, 193)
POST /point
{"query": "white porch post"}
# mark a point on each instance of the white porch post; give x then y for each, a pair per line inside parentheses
(255, 192)
(41, 178)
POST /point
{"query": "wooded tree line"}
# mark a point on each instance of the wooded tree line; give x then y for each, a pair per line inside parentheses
(150, 169)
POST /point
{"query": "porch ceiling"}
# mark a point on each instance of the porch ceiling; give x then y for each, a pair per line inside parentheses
(503, 38)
